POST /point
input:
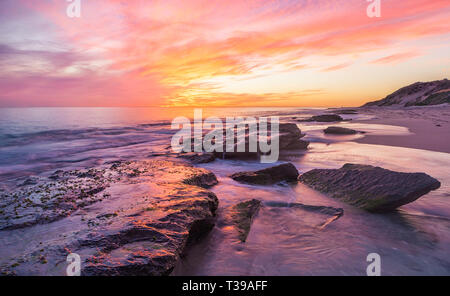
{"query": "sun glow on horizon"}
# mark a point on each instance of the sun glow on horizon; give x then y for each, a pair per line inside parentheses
(218, 53)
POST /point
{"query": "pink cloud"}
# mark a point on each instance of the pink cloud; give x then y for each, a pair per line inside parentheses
(150, 51)
(396, 58)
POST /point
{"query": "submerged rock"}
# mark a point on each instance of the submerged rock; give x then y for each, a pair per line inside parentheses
(337, 130)
(331, 214)
(370, 188)
(282, 172)
(138, 224)
(241, 217)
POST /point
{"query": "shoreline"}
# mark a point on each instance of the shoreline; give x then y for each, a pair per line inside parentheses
(430, 127)
(103, 205)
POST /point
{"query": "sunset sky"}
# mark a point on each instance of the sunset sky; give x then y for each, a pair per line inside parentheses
(218, 53)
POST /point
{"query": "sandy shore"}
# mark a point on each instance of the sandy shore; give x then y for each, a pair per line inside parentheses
(430, 127)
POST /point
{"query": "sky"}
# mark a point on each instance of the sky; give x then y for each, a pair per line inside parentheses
(218, 53)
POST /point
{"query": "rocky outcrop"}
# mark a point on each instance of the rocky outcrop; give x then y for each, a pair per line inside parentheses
(337, 130)
(241, 217)
(204, 178)
(370, 188)
(324, 118)
(272, 175)
(291, 137)
(139, 223)
(417, 94)
(148, 245)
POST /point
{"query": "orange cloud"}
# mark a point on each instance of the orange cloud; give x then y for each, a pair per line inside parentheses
(337, 67)
(175, 52)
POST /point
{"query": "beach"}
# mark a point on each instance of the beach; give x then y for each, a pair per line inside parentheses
(430, 127)
(122, 167)
(224, 138)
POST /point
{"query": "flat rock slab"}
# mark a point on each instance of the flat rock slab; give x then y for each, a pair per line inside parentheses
(370, 188)
(272, 175)
(241, 217)
(325, 118)
(138, 224)
(346, 111)
(326, 215)
(337, 130)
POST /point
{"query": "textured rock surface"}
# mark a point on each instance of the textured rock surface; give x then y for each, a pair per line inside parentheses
(337, 130)
(290, 137)
(138, 224)
(241, 216)
(419, 93)
(441, 97)
(370, 188)
(282, 172)
(45, 201)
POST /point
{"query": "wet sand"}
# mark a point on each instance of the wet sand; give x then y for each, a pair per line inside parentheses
(430, 127)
